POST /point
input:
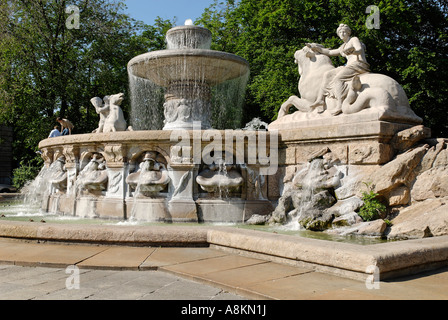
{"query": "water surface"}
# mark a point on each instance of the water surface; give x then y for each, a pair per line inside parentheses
(17, 210)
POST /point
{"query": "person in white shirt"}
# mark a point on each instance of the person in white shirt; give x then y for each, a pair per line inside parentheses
(55, 133)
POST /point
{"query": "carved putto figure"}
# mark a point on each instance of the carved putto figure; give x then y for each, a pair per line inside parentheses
(111, 114)
(58, 178)
(102, 108)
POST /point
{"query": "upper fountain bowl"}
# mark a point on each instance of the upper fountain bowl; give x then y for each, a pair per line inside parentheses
(188, 59)
(188, 37)
(188, 65)
(198, 84)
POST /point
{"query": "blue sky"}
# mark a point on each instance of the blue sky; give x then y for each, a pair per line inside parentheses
(148, 10)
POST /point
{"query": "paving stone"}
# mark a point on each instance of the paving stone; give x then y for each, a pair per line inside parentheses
(181, 289)
(244, 276)
(47, 254)
(169, 256)
(212, 265)
(118, 258)
(303, 286)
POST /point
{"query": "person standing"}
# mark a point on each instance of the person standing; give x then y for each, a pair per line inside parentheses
(66, 126)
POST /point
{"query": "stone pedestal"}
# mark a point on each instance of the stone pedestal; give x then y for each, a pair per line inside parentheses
(181, 206)
(352, 143)
(231, 210)
(117, 187)
(259, 207)
(58, 203)
(186, 103)
(221, 210)
(110, 208)
(183, 210)
(86, 207)
(150, 210)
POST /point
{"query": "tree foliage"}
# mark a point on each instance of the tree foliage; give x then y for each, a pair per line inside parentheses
(411, 46)
(50, 69)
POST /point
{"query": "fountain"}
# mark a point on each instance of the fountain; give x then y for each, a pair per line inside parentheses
(121, 172)
(192, 78)
(188, 172)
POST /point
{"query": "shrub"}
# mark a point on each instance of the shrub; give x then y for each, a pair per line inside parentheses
(26, 172)
(372, 209)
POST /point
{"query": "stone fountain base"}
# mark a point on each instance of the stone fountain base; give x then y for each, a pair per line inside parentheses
(148, 210)
(367, 143)
(123, 155)
(394, 157)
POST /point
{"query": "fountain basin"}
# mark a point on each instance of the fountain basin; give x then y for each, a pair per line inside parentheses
(200, 65)
(189, 36)
(214, 182)
(393, 259)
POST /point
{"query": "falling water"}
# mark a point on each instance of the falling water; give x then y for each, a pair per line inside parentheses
(188, 39)
(34, 191)
(147, 98)
(312, 179)
(144, 167)
(228, 102)
(256, 124)
(309, 184)
(214, 82)
(223, 192)
(147, 104)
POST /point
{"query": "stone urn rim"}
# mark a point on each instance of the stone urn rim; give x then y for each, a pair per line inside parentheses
(188, 27)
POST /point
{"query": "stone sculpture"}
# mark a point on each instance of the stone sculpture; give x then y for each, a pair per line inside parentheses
(220, 179)
(151, 176)
(111, 114)
(353, 129)
(327, 91)
(335, 80)
(58, 179)
(94, 176)
(102, 108)
(180, 113)
(310, 194)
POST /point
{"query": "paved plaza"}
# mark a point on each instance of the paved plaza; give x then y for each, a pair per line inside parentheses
(47, 271)
(43, 283)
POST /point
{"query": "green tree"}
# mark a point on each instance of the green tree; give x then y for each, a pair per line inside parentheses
(49, 68)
